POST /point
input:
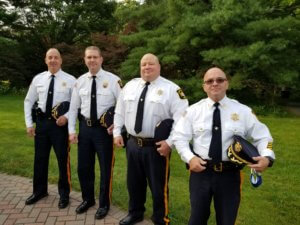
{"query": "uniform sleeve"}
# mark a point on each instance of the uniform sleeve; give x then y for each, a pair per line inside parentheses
(117, 88)
(30, 99)
(182, 135)
(72, 83)
(179, 104)
(119, 117)
(260, 135)
(73, 111)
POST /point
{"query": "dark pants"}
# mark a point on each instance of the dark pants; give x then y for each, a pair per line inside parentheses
(224, 187)
(146, 165)
(48, 134)
(92, 141)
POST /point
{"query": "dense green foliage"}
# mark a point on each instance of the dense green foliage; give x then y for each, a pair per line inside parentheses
(256, 42)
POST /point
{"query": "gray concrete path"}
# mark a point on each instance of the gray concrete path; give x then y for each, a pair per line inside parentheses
(14, 190)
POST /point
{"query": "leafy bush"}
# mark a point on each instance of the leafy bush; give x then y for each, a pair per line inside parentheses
(4, 87)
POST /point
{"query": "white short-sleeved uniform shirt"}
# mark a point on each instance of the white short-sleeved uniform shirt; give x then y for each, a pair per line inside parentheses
(236, 119)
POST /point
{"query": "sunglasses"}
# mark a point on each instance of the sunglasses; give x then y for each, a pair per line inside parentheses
(219, 80)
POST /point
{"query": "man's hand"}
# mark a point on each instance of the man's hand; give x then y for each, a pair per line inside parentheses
(73, 138)
(119, 141)
(197, 164)
(261, 165)
(110, 129)
(31, 131)
(163, 149)
(61, 121)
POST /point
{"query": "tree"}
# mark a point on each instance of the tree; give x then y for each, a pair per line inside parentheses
(37, 25)
(254, 41)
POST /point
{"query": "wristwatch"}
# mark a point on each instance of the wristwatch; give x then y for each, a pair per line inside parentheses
(271, 161)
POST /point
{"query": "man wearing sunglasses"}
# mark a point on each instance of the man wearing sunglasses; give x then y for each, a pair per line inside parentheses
(210, 124)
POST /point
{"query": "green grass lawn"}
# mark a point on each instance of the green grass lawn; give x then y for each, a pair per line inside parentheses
(276, 202)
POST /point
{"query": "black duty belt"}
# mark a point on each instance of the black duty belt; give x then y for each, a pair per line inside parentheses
(143, 142)
(42, 116)
(223, 166)
(89, 122)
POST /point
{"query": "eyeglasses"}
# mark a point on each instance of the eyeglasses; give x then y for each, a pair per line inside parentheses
(219, 80)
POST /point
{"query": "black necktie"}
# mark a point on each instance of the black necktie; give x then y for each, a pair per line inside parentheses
(215, 149)
(49, 101)
(93, 109)
(140, 110)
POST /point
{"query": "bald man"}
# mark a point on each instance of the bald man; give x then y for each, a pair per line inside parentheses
(210, 124)
(142, 104)
(48, 89)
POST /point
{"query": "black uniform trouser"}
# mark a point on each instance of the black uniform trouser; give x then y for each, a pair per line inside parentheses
(48, 134)
(92, 141)
(224, 187)
(145, 164)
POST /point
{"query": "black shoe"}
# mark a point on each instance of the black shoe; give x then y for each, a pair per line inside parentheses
(84, 206)
(63, 203)
(101, 213)
(34, 198)
(131, 219)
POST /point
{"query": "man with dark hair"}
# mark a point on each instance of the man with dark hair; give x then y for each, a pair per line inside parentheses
(94, 93)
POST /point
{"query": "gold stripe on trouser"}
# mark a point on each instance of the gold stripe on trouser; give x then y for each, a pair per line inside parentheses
(111, 172)
(166, 219)
(69, 166)
(241, 184)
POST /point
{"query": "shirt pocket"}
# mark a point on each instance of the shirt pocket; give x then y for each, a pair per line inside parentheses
(158, 103)
(202, 134)
(129, 101)
(105, 97)
(84, 97)
(63, 94)
(234, 129)
(41, 91)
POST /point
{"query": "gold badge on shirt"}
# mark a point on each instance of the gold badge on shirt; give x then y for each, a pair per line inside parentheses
(235, 117)
(160, 92)
(64, 84)
(105, 84)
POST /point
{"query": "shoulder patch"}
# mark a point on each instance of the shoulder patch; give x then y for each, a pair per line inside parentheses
(120, 83)
(181, 94)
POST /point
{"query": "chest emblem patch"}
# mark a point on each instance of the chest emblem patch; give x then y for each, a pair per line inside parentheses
(160, 92)
(105, 84)
(235, 117)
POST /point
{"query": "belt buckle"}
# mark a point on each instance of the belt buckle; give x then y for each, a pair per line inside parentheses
(140, 142)
(218, 167)
(89, 123)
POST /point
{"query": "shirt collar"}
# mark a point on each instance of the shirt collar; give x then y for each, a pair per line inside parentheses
(97, 74)
(49, 74)
(222, 102)
(143, 82)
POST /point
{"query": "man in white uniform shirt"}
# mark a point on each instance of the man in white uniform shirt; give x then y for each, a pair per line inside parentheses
(142, 104)
(212, 174)
(49, 89)
(94, 93)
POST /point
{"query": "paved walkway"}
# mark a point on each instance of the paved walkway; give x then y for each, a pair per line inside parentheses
(14, 190)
